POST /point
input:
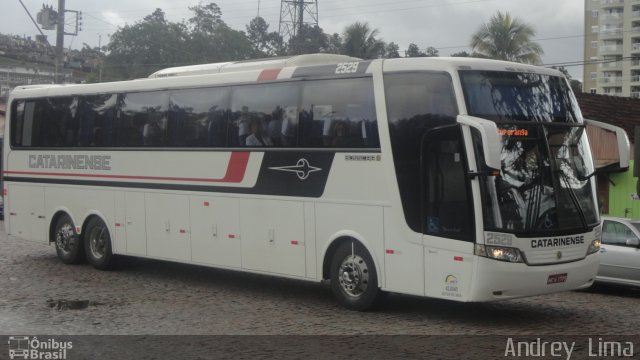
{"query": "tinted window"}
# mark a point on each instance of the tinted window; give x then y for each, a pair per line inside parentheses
(515, 96)
(97, 113)
(17, 122)
(59, 126)
(198, 117)
(339, 114)
(264, 115)
(447, 206)
(416, 102)
(142, 119)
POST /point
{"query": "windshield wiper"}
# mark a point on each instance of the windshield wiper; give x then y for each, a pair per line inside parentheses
(574, 197)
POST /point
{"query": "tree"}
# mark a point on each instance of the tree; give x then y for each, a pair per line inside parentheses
(334, 45)
(263, 43)
(211, 40)
(414, 51)
(392, 50)
(432, 52)
(206, 18)
(360, 41)
(461, 54)
(148, 45)
(311, 40)
(507, 38)
(155, 43)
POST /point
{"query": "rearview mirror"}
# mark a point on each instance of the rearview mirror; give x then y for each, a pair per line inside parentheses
(491, 143)
(622, 140)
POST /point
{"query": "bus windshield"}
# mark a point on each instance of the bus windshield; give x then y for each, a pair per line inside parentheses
(544, 183)
(512, 96)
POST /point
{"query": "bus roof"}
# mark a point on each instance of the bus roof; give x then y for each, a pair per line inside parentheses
(313, 65)
(255, 64)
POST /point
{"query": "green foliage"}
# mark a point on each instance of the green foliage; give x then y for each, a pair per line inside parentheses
(461, 54)
(392, 50)
(432, 52)
(414, 51)
(359, 40)
(154, 43)
(311, 40)
(507, 38)
(263, 43)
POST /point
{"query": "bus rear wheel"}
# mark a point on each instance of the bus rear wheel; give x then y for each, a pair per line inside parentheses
(97, 244)
(68, 244)
(354, 280)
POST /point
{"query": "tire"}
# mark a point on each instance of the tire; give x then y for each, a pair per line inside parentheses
(354, 279)
(97, 244)
(68, 245)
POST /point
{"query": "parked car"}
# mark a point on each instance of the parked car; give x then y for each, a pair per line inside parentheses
(620, 252)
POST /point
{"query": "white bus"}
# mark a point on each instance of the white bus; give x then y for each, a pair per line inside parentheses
(461, 179)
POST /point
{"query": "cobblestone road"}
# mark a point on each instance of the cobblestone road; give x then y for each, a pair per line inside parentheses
(152, 297)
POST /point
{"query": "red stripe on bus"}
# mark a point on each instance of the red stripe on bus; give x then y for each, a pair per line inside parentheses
(269, 74)
(236, 170)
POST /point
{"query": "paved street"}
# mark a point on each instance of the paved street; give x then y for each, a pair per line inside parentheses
(152, 297)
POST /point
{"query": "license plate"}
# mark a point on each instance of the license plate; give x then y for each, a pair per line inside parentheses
(556, 279)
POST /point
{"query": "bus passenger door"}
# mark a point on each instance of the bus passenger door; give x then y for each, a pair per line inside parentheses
(447, 214)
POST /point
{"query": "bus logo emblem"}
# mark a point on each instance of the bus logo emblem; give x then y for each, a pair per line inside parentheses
(302, 169)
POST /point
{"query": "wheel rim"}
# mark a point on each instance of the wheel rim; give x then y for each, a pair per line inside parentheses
(354, 275)
(97, 242)
(66, 239)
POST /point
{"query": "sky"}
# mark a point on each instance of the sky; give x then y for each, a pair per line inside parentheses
(444, 24)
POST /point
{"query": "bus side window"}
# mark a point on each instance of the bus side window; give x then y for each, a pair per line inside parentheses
(338, 114)
(17, 122)
(198, 117)
(142, 119)
(275, 105)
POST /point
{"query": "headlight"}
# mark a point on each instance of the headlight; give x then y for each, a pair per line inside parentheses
(594, 247)
(501, 253)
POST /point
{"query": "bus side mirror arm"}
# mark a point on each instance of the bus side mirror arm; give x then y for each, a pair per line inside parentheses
(491, 143)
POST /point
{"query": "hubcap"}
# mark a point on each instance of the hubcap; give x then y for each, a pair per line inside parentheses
(354, 275)
(97, 242)
(65, 238)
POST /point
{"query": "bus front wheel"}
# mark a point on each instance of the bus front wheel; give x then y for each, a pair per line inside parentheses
(354, 280)
(97, 244)
(68, 244)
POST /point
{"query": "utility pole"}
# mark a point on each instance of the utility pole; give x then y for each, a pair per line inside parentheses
(60, 41)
